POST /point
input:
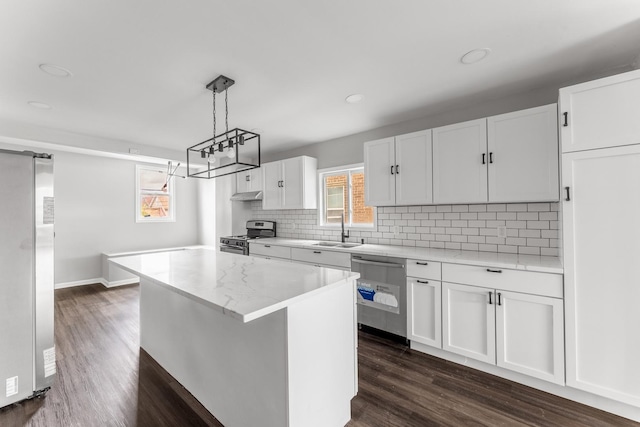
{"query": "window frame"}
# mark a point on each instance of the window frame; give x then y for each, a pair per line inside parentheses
(340, 170)
(171, 192)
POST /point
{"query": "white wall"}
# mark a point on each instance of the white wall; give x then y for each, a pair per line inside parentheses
(95, 213)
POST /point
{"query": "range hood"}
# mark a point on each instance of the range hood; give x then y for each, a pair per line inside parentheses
(248, 196)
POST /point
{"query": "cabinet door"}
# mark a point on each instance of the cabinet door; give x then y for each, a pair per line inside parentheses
(601, 246)
(469, 321)
(243, 182)
(424, 315)
(523, 155)
(460, 163)
(255, 180)
(272, 177)
(530, 335)
(292, 183)
(601, 113)
(414, 169)
(379, 165)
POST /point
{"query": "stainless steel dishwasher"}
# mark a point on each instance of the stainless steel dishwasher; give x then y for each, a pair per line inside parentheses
(382, 292)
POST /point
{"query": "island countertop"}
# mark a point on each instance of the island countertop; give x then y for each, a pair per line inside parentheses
(243, 287)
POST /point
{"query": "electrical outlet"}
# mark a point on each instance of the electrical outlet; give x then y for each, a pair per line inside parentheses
(502, 231)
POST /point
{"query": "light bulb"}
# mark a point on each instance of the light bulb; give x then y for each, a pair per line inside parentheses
(211, 160)
(231, 154)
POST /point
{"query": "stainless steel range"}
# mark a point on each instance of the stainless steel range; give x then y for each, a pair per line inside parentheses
(255, 230)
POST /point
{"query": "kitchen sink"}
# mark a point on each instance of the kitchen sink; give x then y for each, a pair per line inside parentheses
(348, 245)
(330, 244)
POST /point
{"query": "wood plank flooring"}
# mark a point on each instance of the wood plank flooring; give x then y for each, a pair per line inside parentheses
(104, 379)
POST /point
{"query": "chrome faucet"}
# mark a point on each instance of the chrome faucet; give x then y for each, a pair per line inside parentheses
(342, 235)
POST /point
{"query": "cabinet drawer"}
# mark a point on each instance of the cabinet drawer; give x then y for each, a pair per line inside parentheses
(530, 282)
(322, 265)
(426, 269)
(270, 251)
(316, 256)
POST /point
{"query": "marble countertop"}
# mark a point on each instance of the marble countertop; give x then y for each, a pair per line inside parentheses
(543, 264)
(243, 287)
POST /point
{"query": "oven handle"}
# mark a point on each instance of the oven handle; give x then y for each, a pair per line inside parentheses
(381, 263)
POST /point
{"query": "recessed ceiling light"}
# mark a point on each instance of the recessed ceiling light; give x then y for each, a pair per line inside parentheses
(476, 55)
(355, 98)
(55, 70)
(40, 105)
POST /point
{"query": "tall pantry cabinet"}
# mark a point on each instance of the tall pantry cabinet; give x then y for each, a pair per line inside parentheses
(600, 138)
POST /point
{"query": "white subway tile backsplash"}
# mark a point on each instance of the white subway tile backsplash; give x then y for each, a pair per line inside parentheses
(487, 215)
(517, 207)
(532, 228)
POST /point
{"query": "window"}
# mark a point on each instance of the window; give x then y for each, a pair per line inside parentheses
(155, 197)
(342, 193)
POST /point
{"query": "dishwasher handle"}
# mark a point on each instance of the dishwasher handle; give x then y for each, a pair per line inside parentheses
(380, 263)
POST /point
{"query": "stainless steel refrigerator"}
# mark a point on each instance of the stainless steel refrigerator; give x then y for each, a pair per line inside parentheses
(27, 351)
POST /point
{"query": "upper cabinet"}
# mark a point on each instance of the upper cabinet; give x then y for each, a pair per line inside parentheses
(290, 183)
(250, 180)
(507, 158)
(460, 163)
(398, 170)
(523, 155)
(585, 107)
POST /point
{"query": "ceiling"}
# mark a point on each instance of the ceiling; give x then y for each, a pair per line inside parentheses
(140, 67)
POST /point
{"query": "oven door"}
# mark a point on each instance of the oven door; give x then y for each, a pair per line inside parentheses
(233, 249)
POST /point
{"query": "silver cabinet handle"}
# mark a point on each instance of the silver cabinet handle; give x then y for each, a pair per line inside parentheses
(499, 298)
(267, 246)
(383, 264)
(423, 281)
(494, 271)
(490, 294)
(317, 252)
(422, 263)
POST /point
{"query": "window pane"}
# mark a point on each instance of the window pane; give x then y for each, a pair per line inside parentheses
(361, 214)
(154, 206)
(152, 180)
(336, 198)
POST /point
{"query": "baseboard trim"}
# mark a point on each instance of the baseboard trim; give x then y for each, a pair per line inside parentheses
(122, 282)
(97, 280)
(79, 283)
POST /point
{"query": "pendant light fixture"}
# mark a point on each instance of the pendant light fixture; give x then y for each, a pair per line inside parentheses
(229, 152)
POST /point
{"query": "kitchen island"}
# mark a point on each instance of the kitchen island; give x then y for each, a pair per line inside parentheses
(257, 342)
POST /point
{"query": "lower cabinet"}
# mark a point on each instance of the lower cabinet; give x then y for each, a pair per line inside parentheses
(424, 317)
(516, 331)
(468, 321)
(322, 258)
(530, 335)
(269, 251)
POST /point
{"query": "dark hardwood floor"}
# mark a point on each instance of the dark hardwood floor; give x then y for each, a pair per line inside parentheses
(104, 379)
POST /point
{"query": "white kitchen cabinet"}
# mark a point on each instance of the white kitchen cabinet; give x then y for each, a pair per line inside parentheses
(468, 321)
(322, 258)
(290, 183)
(530, 335)
(379, 163)
(601, 247)
(398, 170)
(523, 155)
(424, 311)
(460, 163)
(493, 315)
(250, 180)
(600, 113)
(269, 251)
